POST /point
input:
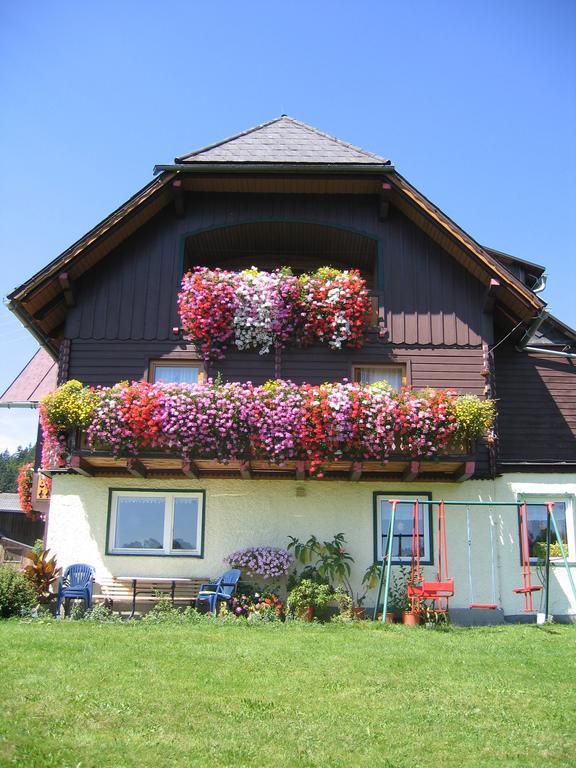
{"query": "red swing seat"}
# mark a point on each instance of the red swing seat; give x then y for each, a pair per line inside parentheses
(526, 590)
(432, 590)
(487, 606)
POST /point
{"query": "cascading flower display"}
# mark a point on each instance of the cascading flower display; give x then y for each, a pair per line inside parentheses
(261, 310)
(24, 484)
(277, 422)
(207, 305)
(266, 309)
(336, 308)
(128, 418)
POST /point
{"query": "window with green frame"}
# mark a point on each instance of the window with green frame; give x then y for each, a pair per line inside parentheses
(402, 534)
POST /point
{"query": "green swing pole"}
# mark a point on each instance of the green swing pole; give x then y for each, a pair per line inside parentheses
(388, 558)
(390, 543)
(564, 558)
(547, 572)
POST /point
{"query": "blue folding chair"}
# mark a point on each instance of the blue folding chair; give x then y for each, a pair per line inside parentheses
(221, 590)
(76, 582)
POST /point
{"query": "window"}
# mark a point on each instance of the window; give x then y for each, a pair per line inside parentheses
(395, 375)
(176, 372)
(156, 523)
(402, 534)
(537, 523)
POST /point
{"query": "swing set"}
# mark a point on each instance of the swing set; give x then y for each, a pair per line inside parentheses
(439, 591)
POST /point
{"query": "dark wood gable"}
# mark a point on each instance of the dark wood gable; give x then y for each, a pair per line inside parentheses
(126, 307)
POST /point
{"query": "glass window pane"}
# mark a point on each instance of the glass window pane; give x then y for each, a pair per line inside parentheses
(392, 375)
(139, 523)
(176, 374)
(537, 523)
(402, 536)
(185, 532)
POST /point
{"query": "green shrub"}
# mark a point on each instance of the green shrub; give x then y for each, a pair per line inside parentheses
(101, 613)
(17, 595)
(309, 594)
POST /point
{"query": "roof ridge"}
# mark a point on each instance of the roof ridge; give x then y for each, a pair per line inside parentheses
(316, 131)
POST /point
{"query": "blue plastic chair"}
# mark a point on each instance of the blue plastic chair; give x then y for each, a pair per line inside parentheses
(76, 582)
(221, 590)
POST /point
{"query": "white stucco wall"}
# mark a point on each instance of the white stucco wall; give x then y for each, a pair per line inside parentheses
(242, 513)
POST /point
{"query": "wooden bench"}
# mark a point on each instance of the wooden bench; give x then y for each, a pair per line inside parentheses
(147, 590)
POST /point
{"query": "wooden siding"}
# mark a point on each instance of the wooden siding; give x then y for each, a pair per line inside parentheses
(106, 362)
(537, 407)
(427, 297)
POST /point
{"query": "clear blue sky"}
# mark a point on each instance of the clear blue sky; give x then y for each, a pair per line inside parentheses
(474, 102)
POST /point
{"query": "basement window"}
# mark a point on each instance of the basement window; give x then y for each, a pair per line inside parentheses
(153, 523)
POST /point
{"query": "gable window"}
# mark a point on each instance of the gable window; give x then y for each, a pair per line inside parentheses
(176, 372)
(156, 523)
(394, 375)
(537, 524)
(402, 534)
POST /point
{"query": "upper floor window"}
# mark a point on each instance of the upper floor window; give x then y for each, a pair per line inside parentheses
(537, 524)
(394, 375)
(176, 372)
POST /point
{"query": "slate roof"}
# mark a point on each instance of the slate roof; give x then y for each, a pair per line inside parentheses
(283, 140)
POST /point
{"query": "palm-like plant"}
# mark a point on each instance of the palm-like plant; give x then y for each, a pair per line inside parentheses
(42, 573)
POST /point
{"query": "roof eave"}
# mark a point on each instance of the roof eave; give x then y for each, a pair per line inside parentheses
(251, 167)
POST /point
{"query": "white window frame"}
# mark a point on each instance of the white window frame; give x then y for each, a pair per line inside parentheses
(397, 367)
(427, 558)
(568, 500)
(156, 365)
(169, 497)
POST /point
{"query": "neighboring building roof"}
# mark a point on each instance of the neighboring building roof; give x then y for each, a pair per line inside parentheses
(9, 502)
(282, 140)
(36, 379)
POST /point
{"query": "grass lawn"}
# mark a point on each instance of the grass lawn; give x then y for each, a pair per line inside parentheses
(97, 695)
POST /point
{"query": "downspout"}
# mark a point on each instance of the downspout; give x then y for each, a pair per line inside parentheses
(555, 352)
(531, 330)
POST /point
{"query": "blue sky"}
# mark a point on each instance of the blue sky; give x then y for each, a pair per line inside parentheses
(475, 103)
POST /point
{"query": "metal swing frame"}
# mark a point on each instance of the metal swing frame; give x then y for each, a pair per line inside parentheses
(417, 595)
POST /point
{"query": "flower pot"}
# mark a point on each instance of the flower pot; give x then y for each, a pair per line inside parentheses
(390, 617)
(411, 618)
(307, 614)
(357, 613)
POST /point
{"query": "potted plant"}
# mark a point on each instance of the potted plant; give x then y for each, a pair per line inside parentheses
(307, 598)
(399, 604)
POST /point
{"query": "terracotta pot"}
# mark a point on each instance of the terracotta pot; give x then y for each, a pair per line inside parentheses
(411, 619)
(307, 613)
(357, 613)
(390, 617)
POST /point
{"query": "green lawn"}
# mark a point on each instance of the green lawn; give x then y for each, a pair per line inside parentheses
(97, 695)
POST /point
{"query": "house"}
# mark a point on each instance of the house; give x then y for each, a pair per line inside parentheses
(447, 313)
